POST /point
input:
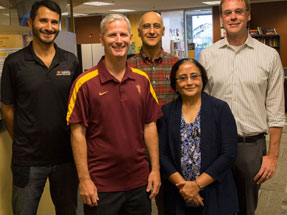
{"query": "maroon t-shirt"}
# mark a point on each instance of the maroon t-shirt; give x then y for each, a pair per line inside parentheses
(114, 114)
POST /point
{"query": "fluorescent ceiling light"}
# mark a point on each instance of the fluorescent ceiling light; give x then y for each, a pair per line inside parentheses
(97, 3)
(2, 7)
(122, 10)
(211, 2)
(74, 14)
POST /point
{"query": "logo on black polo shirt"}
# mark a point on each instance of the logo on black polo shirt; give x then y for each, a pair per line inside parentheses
(63, 73)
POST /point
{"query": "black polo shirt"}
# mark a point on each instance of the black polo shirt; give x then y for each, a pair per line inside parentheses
(40, 97)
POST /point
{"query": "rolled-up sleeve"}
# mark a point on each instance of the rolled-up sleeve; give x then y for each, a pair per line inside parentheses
(275, 102)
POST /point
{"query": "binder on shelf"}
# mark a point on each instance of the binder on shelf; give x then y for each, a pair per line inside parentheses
(275, 42)
(260, 30)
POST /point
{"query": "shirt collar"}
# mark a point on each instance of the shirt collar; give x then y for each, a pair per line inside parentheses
(30, 54)
(148, 59)
(249, 42)
(105, 76)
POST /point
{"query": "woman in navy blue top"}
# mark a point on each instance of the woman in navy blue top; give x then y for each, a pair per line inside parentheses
(198, 142)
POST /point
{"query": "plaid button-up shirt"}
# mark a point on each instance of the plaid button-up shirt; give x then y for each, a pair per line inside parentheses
(158, 71)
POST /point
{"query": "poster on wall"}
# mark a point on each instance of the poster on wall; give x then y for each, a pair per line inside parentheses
(8, 45)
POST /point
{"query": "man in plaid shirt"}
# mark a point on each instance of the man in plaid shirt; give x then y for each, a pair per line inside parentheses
(152, 59)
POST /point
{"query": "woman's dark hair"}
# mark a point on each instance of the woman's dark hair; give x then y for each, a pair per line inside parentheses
(51, 5)
(175, 67)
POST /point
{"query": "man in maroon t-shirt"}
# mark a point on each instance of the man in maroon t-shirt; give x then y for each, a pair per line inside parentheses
(112, 112)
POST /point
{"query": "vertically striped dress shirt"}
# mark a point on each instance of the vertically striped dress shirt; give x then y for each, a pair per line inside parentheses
(250, 80)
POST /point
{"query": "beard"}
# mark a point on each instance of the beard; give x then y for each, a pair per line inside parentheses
(37, 34)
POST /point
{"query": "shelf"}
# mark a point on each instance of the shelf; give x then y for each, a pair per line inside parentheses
(266, 35)
(272, 40)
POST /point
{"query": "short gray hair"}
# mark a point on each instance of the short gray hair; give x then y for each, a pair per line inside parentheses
(112, 17)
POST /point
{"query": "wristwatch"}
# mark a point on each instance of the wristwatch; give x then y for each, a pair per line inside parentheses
(199, 186)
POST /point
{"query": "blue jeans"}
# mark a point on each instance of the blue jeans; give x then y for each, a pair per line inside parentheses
(29, 182)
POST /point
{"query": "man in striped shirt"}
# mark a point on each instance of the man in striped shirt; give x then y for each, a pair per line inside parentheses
(249, 76)
(112, 112)
(152, 59)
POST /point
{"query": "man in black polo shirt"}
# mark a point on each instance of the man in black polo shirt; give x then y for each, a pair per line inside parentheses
(34, 94)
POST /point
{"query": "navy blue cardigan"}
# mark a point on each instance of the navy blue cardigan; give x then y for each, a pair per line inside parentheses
(218, 145)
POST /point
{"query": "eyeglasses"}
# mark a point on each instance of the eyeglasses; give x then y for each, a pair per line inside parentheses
(184, 78)
(148, 25)
(238, 12)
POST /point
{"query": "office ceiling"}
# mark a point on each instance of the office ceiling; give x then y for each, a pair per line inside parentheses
(141, 5)
(136, 5)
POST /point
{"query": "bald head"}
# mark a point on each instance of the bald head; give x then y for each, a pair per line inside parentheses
(151, 30)
(150, 15)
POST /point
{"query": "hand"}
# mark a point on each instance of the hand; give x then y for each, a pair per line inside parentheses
(188, 189)
(88, 192)
(196, 201)
(153, 183)
(267, 169)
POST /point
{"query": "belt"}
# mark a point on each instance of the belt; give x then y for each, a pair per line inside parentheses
(250, 139)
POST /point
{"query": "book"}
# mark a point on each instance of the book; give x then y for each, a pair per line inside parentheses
(270, 31)
(253, 32)
(275, 43)
(260, 30)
